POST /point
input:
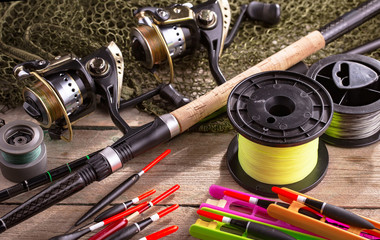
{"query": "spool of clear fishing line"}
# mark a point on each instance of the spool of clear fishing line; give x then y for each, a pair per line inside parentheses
(22, 150)
(279, 117)
(353, 83)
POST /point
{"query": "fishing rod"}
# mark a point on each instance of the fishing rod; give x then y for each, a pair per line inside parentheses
(167, 126)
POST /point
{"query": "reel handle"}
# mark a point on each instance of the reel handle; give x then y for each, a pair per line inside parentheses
(268, 13)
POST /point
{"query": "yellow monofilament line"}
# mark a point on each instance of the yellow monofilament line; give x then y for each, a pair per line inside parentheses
(277, 165)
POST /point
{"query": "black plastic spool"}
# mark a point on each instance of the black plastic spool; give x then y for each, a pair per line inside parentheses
(349, 101)
(279, 109)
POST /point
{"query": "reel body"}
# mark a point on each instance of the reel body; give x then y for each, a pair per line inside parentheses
(66, 89)
(172, 32)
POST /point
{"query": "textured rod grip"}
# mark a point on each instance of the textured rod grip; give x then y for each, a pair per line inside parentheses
(51, 195)
(350, 20)
(200, 108)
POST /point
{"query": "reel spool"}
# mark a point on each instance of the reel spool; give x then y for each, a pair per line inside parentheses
(66, 88)
(172, 32)
(22, 150)
(353, 83)
(278, 113)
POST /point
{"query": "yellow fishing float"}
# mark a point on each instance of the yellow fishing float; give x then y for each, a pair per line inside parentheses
(279, 117)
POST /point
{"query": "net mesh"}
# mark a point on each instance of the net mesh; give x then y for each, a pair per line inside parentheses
(44, 29)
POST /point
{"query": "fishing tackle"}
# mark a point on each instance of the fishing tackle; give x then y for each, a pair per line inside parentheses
(167, 126)
(66, 89)
(279, 116)
(353, 83)
(175, 31)
(162, 233)
(22, 150)
(255, 229)
(320, 227)
(121, 223)
(129, 231)
(122, 187)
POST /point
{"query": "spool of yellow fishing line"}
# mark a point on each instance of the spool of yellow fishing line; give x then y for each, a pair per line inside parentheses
(279, 116)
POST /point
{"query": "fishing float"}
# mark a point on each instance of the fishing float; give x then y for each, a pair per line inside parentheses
(121, 223)
(131, 213)
(130, 231)
(167, 126)
(122, 207)
(265, 203)
(255, 229)
(118, 219)
(305, 211)
(120, 189)
(329, 210)
(162, 233)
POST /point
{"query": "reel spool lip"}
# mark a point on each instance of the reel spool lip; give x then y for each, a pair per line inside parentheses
(314, 70)
(36, 141)
(137, 35)
(46, 118)
(274, 141)
(60, 106)
(366, 109)
(263, 189)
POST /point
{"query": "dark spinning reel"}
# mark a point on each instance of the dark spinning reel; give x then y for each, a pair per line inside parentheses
(66, 89)
(171, 32)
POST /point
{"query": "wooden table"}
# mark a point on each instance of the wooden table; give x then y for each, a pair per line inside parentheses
(197, 161)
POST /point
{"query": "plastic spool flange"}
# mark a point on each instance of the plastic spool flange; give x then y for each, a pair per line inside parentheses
(20, 172)
(279, 109)
(356, 101)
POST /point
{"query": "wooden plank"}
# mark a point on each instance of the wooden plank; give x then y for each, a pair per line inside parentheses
(99, 118)
(197, 161)
(353, 177)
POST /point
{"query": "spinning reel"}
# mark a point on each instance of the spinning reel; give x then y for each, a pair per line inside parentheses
(172, 32)
(66, 89)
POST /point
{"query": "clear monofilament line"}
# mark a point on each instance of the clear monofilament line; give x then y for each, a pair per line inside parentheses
(277, 165)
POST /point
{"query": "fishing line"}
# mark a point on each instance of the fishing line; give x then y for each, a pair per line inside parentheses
(22, 151)
(353, 83)
(279, 117)
(272, 165)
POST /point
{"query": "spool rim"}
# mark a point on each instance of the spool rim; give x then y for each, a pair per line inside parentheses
(372, 107)
(263, 189)
(328, 61)
(36, 141)
(243, 121)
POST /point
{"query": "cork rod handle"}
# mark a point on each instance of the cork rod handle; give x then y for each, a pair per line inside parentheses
(200, 108)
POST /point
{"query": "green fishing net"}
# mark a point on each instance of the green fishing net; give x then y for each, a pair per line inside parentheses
(45, 29)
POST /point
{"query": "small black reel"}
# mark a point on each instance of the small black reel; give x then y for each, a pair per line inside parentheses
(171, 32)
(66, 88)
